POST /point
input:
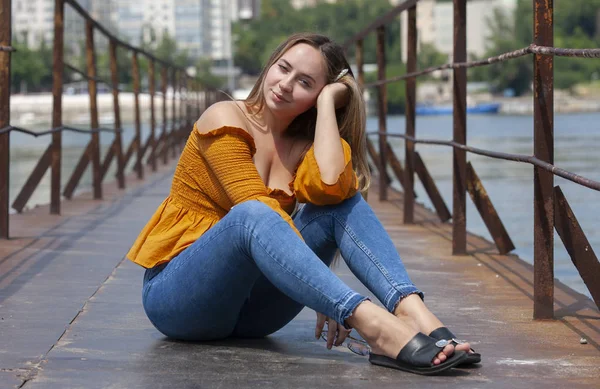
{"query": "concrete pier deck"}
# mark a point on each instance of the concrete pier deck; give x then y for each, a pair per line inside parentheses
(71, 314)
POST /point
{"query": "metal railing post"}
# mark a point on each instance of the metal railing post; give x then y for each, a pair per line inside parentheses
(152, 140)
(57, 90)
(382, 112)
(459, 169)
(114, 72)
(138, 125)
(188, 108)
(543, 148)
(5, 40)
(411, 103)
(173, 134)
(181, 121)
(360, 77)
(90, 56)
(163, 136)
(198, 99)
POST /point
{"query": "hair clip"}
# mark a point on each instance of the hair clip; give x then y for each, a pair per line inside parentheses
(342, 74)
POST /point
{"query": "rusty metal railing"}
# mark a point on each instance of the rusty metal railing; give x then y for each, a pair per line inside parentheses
(187, 102)
(551, 209)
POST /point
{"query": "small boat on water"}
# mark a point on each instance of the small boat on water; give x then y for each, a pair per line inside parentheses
(484, 108)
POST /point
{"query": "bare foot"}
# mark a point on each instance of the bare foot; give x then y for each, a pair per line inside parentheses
(409, 321)
(413, 308)
(385, 333)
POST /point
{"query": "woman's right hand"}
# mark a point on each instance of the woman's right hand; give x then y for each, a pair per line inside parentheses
(336, 333)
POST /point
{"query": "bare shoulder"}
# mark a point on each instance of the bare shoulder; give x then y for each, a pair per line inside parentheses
(223, 113)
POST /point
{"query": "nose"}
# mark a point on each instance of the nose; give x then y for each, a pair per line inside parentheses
(285, 85)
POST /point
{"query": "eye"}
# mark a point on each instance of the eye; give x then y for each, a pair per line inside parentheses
(282, 67)
(304, 82)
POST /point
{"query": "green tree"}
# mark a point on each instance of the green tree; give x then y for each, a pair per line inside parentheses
(573, 15)
(429, 57)
(571, 71)
(205, 76)
(246, 55)
(515, 74)
(167, 50)
(575, 26)
(31, 70)
(255, 40)
(396, 95)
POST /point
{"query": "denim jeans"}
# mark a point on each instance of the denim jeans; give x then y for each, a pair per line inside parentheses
(250, 274)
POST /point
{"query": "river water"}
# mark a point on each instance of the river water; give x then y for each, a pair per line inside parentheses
(509, 184)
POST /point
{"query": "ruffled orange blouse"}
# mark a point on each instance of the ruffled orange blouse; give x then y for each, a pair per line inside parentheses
(216, 172)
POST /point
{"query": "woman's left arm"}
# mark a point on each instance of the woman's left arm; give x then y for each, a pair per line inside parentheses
(328, 149)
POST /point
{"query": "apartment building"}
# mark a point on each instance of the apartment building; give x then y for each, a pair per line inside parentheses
(202, 27)
(435, 24)
(33, 21)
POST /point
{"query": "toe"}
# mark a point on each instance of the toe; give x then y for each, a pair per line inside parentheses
(448, 350)
(463, 347)
(442, 357)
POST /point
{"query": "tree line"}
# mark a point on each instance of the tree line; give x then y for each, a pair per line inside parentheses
(31, 69)
(576, 25)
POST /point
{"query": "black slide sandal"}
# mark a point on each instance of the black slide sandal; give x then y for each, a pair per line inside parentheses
(417, 356)
(444, 333)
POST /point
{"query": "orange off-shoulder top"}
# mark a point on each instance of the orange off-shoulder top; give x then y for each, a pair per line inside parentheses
(216, 172)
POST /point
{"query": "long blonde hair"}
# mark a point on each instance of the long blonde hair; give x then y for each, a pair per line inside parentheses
(351, 118)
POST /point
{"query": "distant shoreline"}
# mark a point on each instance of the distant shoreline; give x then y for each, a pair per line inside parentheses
(37, 108)
(562, 104)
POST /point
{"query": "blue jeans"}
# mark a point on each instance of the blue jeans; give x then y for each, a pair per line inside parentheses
(250, 274)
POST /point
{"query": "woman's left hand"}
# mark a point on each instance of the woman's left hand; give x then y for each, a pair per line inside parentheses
(336, 333)
(337, 92)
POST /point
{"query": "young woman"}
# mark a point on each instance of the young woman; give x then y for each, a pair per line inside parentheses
(231, 253)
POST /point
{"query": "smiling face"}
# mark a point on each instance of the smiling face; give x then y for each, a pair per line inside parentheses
(294, 81)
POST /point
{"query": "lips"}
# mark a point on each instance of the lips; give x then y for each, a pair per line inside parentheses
(278, 96)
